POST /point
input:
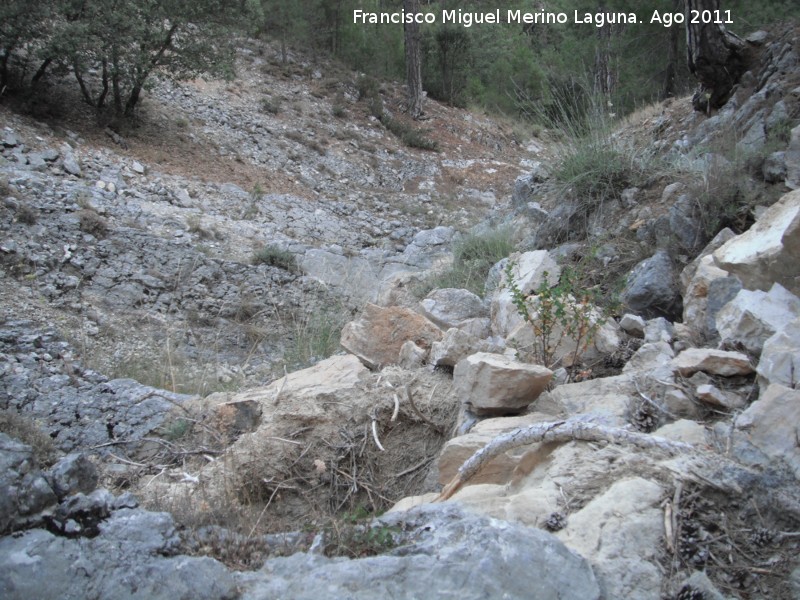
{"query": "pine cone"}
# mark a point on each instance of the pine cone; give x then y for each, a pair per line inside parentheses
(555, 522)
(762, 537)
(689, 592)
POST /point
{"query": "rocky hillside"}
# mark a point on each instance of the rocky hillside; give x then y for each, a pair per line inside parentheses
(162, 287)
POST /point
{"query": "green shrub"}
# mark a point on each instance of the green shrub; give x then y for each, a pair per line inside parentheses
(271, 105)
(315, 336)
(410, 136)
(91, 222)
(275, 257)
(559, 317)
(473, 256)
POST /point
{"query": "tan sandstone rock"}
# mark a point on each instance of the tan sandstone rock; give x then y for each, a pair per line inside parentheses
(493, 384)
(379, 334)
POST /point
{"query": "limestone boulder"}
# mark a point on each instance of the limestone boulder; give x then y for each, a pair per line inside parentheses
(378, 335)
(621, 532)
(450, 307)
(770, 425)
(493, 384)
(768, 251)
(780, 358)
(457, 344)
(753, 316)
(711, 361)
(443, 551)
(532, 269)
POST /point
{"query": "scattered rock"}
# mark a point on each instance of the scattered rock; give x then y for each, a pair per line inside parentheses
(770, 425)
(632, 325)
(450, 307)
(493, 384)
(714, 362)
(780, 358)
(711, 394)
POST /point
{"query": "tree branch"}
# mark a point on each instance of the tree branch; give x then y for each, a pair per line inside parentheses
(559, 431)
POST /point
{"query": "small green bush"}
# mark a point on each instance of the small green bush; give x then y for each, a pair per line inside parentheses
(410, 136)
(473, 256)
(26, 215)
(271, 105)
(558, 314)
(91, 222)
(275, 257)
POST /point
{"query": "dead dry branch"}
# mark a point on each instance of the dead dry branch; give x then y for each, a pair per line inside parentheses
(558, 432)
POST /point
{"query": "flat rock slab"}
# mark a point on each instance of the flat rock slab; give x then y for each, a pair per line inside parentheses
(713, 362)
(378, 335)
(493, 384)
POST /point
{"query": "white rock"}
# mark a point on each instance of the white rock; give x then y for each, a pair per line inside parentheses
(770, 424)
(753, 316)
(632, 325)
(780, 358)
(621, 533)
(767, 252)
(531, 269)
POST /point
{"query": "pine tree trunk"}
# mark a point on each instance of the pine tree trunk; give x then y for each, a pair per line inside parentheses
(413, 61)
(671, 71)
(716, 57)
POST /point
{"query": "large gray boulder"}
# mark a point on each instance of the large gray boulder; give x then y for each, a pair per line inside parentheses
(444, 553)
(652, 289)
(133, 557)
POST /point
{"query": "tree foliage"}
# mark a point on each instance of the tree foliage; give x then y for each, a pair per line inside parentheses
(112, 47)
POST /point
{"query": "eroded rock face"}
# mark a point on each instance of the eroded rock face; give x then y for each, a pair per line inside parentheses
(378, 335)
(452, 553)
(493, 384)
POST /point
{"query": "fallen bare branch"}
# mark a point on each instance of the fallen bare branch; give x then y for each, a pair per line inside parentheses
(559, 431)
(375, 436)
